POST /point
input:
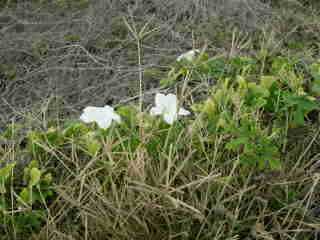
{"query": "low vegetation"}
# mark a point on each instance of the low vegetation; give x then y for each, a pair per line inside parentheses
(229, 150)
(244, 165)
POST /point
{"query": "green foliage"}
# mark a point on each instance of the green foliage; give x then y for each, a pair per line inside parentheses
(245, 118)
(11, 132)
(34, 191)
(184, 68)
(128, 131)
(298, 107)
(5, 173)
(245, 111)
(243, 165)
(174, 75)
(254, 145)
(38, 185)
(91, 144)
(315, 84)
(204, 67)
(74, 129)
(39, 143)
(288, 73)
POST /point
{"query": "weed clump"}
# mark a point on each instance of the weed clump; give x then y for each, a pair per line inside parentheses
(227, 170)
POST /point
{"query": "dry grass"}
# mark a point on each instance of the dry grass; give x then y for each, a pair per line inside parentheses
(87, 55)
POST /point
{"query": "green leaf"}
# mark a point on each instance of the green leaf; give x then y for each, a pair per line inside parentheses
(26, 170)
(217, 67)
(128, 115)
(54, 137)
(300, 107)
(28, 221)
(91, 144)
(298, 117)
(25, 195)
(173, 76)
(315, 88)
(47, 178)
(315, 71)
(75, 129)
(3, 206)
(5, 173)
(236, 143)
(275, 163)
(93, 147)
(35, 175)
(267, 81)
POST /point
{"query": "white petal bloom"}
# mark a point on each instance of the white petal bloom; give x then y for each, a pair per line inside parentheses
(103, 116)
(190, 55)
(167, 105)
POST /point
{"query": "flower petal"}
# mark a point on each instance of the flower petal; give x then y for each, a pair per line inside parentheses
(108, 108)
(183, 112)
(84, 117)
(103, 116)
(116, 117)
(169, 118)
(171, 103)
(160, 100)
(189, 56)
(156, 111)
(87, 115)
(167, 105)
(113, 115)
(104, 123)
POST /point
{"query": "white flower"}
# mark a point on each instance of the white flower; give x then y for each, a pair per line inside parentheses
(103, 116)
(190, 55)
(167, 105)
